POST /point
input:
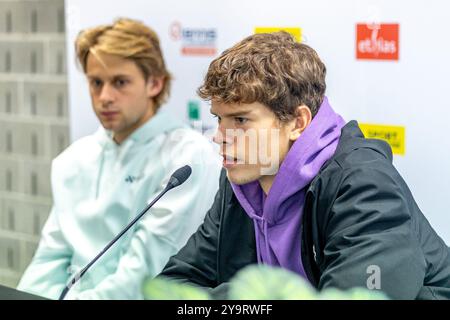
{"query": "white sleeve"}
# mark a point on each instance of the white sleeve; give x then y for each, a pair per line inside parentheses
(48, 272)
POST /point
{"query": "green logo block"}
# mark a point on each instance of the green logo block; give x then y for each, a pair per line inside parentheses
(194, 110)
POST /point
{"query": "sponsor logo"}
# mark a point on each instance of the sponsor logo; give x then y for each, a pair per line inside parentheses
(377, 41)
(296, 32)
(394, 135)
(194, 41)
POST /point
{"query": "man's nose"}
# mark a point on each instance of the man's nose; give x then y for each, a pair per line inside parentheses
(106, 94)
(223, 136)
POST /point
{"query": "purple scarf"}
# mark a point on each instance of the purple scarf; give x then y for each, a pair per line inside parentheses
(277, 217)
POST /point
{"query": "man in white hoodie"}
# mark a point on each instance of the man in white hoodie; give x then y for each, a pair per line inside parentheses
(102, 181)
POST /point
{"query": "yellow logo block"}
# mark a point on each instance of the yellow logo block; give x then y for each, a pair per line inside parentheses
(296, 32)
(394, 135)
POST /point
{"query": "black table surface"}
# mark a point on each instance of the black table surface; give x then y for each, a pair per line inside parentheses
(7, 293)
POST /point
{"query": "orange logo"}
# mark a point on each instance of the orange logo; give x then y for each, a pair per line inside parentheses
(377, 41)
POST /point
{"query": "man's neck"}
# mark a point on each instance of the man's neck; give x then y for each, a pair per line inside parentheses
(266, 183)
(120, 137)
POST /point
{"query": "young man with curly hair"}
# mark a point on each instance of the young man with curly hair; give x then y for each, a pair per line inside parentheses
(303, 189)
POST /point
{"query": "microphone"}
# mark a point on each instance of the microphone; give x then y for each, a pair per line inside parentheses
(176, 179)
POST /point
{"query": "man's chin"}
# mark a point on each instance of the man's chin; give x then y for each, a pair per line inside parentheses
(110, 126)
(240, 176)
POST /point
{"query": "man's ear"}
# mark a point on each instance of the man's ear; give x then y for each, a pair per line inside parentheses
(154, 86)
(303, 118)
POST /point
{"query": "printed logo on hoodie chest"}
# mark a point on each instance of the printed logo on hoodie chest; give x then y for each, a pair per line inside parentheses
(133, 178)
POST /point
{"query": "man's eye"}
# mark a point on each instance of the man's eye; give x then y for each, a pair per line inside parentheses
(96, 83)
(217, 117)
(121, 83)
(240, 120)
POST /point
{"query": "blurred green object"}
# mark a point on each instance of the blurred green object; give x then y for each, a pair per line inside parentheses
(193, 110)
(262, 282)
(163, 289)
(258, 282)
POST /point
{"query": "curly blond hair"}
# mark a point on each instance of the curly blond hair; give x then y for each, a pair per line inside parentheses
(269, 68)
(129, 39)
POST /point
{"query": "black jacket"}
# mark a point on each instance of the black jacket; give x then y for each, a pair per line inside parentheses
(359, 216)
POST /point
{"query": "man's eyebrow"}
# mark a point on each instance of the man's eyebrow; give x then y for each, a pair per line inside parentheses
(234, 114)
(116, 76)
(121, 76)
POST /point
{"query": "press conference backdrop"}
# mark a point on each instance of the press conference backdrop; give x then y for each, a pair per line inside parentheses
(388, 65)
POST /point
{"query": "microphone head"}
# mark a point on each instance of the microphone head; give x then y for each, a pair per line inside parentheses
(179, 176)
